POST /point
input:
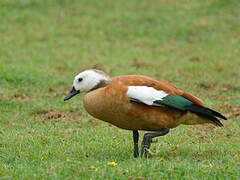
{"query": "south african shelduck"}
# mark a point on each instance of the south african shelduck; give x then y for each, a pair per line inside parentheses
(136, 102)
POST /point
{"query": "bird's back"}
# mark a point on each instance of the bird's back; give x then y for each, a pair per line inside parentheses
(139, 80)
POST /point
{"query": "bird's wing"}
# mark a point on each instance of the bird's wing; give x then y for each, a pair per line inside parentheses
(159, 85)
(153, 97)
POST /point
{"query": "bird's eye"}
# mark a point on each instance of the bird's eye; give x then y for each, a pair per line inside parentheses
(80, 79)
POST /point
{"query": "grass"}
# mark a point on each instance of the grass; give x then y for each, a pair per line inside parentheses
(193, 44)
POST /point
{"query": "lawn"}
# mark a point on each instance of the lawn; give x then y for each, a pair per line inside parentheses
(45, 43)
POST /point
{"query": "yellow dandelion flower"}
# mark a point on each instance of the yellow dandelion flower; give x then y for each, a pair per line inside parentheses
(124, 171)
(92, 169)
(112, 163)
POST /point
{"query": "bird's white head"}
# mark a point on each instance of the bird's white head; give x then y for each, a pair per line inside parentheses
(88, 80)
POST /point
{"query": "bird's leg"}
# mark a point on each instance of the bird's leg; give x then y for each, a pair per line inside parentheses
(135, 140)
(147, 139)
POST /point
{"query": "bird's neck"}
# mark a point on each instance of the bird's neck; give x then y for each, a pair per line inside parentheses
(102, 83)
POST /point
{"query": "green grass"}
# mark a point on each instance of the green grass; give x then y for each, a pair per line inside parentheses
(45, 43)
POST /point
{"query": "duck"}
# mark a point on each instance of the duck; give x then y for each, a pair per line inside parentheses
(140, 103)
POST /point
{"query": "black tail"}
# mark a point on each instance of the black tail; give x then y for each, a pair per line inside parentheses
(206, 113)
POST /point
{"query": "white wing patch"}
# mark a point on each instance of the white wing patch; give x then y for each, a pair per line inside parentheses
(145, 94)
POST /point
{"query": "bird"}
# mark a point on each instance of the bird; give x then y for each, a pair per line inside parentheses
(140, 103)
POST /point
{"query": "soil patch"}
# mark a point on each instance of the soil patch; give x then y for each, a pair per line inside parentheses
(55, 115)
(234, 112)
(138, 64)
(66, 118)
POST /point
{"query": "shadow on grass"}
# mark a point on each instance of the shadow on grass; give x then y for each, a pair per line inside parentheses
(184, 154)
(169, 155)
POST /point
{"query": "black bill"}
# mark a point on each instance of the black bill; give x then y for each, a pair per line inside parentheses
(71, 94)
